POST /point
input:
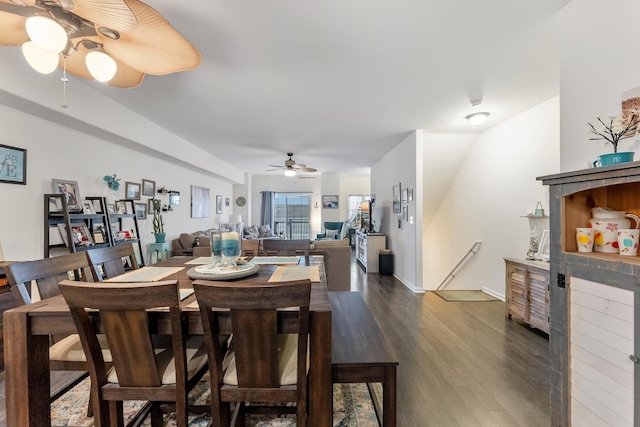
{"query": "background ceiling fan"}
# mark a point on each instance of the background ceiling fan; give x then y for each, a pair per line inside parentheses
(118, 41)
(291, 168)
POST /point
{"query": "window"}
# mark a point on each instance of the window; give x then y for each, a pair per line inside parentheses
(291, 215)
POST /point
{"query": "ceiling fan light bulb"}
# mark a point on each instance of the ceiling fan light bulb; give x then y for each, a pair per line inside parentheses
(46, 33)
(43, 61)
(289, 172)
(477, 118)
(101, 66)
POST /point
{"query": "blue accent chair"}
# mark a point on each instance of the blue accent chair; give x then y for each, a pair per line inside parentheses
(329, 225)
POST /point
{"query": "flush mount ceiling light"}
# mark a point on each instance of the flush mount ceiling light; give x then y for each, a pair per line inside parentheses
(477, 118)
(118, 41)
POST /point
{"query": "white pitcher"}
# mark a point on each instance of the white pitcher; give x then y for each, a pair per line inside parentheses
(606, 223)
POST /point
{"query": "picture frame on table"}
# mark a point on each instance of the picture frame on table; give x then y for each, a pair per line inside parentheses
(148, 187)
(87, 208)
(141, 210)
(13, 165)
(132, 190)
(330, 202)
(396, 198)
(71, 193)
(111, 208)
(121, 207)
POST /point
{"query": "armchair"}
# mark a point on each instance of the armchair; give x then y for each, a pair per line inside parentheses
(329, 225)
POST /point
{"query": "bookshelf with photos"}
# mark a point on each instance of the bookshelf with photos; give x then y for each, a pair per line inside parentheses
(92, 227)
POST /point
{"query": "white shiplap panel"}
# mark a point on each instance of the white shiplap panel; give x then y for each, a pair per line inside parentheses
(613, 394)
(617, 357)
(622, 376)
(609, 323)
(581, 416)
(599, 408)
(598, 289)
(604, 337)
(609, 307)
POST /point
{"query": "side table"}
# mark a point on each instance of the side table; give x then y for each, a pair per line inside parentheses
(160, 250)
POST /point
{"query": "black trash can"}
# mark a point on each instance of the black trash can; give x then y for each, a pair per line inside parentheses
(385, 259)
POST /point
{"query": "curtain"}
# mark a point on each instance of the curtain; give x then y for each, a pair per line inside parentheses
(352, 210)
(266, 208)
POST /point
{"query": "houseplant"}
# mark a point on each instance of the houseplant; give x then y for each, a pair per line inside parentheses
(158, 223)
(613, 130)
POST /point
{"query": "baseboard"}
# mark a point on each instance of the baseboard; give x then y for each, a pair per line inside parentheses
(493, 293)
(410, 286)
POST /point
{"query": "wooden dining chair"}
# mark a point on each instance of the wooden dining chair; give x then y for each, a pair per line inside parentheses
(263, 364)
(65, 353)
(110, 261)
(250, 247)
(281, 247)
(157, 369)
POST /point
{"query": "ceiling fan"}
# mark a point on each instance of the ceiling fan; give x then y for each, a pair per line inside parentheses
(291, 168)
(118, 41)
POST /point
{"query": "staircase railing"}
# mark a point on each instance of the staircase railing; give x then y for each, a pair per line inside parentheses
(470, 252)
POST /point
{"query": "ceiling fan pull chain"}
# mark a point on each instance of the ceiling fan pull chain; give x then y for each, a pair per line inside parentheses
(64, 83)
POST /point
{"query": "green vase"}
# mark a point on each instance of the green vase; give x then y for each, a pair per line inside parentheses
(160, 237)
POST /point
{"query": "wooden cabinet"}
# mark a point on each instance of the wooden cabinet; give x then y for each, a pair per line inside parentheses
(527, 292)
(368, 247)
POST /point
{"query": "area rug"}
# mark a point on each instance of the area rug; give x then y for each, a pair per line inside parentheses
(352, 407)
(465, 296)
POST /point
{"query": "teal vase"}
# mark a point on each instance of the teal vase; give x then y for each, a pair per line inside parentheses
(160, 237)
(614, 158)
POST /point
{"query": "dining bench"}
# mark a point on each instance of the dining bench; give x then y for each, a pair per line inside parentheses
(360, 353)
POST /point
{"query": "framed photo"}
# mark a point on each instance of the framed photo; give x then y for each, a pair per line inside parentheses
(218, 204)
(121, 207)
(98, 236)
(148, 187)
(226, 201)
(97, 207)
(411, 194)
(71, 193)
(405, 195)
(200, 202)
(132, 190)
(141, 210)
(400, 222)
(111, 208)
(152, 206)
(13, 165)
(405, 216)
(174, 198)
(396, 198)
(87, 207)
(543, 247)
(330, 202)
(80, 235)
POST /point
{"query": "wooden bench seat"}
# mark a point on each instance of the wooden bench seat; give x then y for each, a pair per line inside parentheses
(360, 353)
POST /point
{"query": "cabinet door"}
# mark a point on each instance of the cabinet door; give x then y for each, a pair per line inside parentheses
(517, 294)
(537, 296)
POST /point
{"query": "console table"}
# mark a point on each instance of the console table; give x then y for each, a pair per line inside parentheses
(368, 246)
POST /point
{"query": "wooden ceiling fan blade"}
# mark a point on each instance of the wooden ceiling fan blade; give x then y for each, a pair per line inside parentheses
(113, 14)
(126, 77)
(13, 30)
(20, 2)
(154, 47)
(308, 169)
(276, 166)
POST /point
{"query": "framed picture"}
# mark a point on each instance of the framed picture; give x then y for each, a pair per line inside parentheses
(121, 207)
(148, 187)
(111, 208)
(71, 193)
(132, 190)
(13, 165)
(98, 236)
(153, 203)
(218, 204)
(87, 207)
(141, 210)
(405, 195)
(400, 222)
(226, 201)
(405, 215)
(410, 194)
(200, 202)
(396, 198)
(330, 202)
(80, 235)
(543, 247)
(174, 198)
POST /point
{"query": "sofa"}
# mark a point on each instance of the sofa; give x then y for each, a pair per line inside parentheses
(337, 262)
(187, 241)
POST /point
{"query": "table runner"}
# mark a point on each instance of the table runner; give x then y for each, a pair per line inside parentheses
(298, 272)
(275, 259)
(145, 274)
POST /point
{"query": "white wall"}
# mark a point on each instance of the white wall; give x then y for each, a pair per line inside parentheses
(54, 151)
(398, 166)
(599, 62)
(495, 186)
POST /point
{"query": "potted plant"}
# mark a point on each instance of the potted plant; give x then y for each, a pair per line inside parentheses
(158, 223)
(612, 130)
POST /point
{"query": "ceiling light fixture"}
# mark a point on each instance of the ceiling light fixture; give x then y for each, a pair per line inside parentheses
(290, 172)
(477, 118)
(115, 41)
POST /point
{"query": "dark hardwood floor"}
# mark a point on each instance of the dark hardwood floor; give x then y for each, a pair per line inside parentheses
(461, 363)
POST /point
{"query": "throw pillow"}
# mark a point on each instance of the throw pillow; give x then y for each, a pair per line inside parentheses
(265, 230)
(186, 240)
(251, 232)
(331, 234)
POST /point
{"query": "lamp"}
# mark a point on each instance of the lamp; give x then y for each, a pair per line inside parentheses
(101, 66)
(46, 33)
(477, 118)
(290, 172)
(43, 61)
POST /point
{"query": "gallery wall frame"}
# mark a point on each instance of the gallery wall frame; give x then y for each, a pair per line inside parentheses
(148, 187)
(218, 204)
(396, 198)
(330, 202)
(132, 190)
(13, 165)
(200, 202)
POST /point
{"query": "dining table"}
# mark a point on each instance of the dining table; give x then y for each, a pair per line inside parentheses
(27, 329)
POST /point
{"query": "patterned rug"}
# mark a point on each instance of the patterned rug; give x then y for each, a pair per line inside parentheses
(352, 406)
(465, 296)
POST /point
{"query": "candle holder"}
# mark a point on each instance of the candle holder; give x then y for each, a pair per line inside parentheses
(230, 242)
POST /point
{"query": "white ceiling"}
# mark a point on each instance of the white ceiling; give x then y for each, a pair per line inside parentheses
(340, 83)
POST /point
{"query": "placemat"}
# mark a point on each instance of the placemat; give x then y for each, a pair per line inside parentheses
(297, 272)
(275, 259)
(202, 260)
(145, 274)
